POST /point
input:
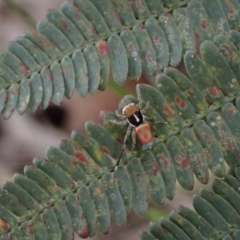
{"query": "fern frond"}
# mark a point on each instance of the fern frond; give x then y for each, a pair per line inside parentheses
(78, 47)
(78, 189)
(216, 216)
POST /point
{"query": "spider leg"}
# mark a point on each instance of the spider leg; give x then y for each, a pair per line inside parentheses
(152, 121)
(123, 122)
(124, 143)
(140, 105)
(119, 115)
(133, 139)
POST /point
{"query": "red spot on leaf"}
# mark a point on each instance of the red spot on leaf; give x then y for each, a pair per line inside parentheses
(103, 48)
(3, 225)
(82, 158)
(184, 162)
(165, 230)
(30, 229)
(105, 150)
(149, 58)
(232, 111)
(214, 91)
(25, 69)
(156, 40)
(182, 104)
(64, 24)
(142, 27)
(228, 144)
(231, 14)
(168, 110)
(84, 234)
(198, 159)
(138, 177)
(228, 50)
(155, 170)
(132, 47)
(164, 161)
(139, 4)
(204, 23)
(190, 92)
(119, 139)
(208, 139)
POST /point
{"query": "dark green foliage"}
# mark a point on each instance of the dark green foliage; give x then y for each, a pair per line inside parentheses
(217, 215)
(75, 48)
(78, 189)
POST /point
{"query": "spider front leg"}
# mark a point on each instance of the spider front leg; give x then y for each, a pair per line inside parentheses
(129, 130)
(117, 122)
(152, 121)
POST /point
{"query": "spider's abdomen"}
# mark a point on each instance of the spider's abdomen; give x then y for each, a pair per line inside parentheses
(144, 134)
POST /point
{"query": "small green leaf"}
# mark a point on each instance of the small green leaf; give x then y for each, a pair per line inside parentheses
(68, 76)
(216, 15)
(133, 54)
(26, 58)
(64, 220)
(170, 30)
(108, 13)
(93, 65)
(89, 210)
(211, 148)
(219, 68)
(12, 98)
(173, 229)
(159, 42)
(140, 9)
(40, 230)
(118, 58)
(36, 92)
(124, 185)
(124, 11)
(101, 206)
(199, 20)
(154, 179)
(66, 27)
(181, 162)
(47, 79)
(85, 27)
(114, 198)
(199, 222)
(206, 210)
(42, 42)
(51, 224)
(58, 89)
(93, 16)
(147, 52)
(103, 54)
(166, 169)
(81, 73)
(139, 187)
(24, 96)
(78, 219)
(55, 36)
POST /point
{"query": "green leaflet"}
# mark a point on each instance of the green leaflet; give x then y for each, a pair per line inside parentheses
(78, 188)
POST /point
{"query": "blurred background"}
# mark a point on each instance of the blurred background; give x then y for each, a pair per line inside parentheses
(24, 137)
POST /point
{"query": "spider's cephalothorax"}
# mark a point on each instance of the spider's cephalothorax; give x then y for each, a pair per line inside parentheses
(134, 116)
